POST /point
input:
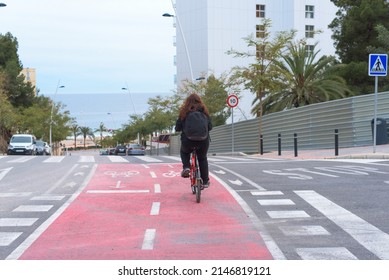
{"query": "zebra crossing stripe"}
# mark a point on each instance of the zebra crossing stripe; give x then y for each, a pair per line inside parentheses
(372, 238)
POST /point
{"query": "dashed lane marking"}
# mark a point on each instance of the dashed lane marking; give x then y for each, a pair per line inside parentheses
(148, 240)
(155, 208)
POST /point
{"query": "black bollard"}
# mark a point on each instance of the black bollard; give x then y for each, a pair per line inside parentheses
(279, 144)
(336, 142)
(261, 144)
(295, 145)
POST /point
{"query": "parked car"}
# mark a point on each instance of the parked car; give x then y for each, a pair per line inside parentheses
(135, 149)
(120, 149)
(22, 144)
(40, 147)
(47, 149)
(104, 152)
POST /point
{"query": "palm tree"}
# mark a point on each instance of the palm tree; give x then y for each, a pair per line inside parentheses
(76, 131)
(303, 79)
(101, 129)
(86, 131)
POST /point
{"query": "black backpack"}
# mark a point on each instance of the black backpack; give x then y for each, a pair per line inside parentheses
(196, 126)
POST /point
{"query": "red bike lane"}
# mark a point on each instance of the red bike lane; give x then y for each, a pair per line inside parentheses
(146, 212)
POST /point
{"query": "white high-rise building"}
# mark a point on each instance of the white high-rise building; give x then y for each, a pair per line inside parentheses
(207, 29)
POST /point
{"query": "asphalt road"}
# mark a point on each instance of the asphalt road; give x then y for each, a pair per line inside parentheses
(52, 208)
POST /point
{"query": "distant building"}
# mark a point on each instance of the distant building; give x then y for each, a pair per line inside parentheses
(30, 76)
(211, 28)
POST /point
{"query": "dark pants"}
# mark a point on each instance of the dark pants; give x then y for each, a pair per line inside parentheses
(202, 150)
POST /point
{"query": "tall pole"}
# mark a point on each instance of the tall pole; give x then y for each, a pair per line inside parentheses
(375, 114)
(129, 92)
(183, 39)
(51, 115)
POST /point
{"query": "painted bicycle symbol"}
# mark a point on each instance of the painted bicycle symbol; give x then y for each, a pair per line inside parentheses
(171, 174)
(115, 174)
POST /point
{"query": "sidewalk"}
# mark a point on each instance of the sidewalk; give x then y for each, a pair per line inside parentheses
(364, 152)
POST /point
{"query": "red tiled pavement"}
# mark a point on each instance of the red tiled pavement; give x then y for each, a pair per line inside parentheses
(113, 225)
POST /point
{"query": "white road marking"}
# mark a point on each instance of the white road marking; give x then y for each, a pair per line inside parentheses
(148, 158)
(6, 238)
(117, 159)
(116, 191)
(48, 197)
(303, 230)
(54, 159)
(293, 214)
(325, 253)
(267, 202)
(17, 222)
(153, 175)
(372, 238)
(157, 188)
(3, 172)
(33, 208)
(266, 193)
(86, 159)
(22, 194)
(155, 208)
(22, 159)
(148, 240)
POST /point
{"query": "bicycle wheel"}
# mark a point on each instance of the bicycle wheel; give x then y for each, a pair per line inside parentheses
(198, 190)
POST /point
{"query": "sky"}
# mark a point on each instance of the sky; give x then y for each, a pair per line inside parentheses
(95, 48)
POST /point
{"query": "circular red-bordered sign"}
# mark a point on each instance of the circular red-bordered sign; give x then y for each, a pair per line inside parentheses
(232, 100)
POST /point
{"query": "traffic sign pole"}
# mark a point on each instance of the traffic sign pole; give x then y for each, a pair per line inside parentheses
(378, 66)
(375, 114)
(232, 102)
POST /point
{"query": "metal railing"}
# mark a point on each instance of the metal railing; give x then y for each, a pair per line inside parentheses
(314, 125)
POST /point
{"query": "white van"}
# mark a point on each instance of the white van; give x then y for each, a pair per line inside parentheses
(22, 144)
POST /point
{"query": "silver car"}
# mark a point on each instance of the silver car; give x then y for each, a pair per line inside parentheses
(135, 149)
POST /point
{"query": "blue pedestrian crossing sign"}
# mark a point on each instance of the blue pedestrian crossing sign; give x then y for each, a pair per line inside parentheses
(378, 64)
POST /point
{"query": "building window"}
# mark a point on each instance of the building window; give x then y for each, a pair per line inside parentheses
(260, 33)
(309, 31)
(309, 11)
(309, 49)
(260, 11)
(260, 51)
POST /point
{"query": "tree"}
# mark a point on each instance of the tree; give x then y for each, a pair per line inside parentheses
(304, 79)
(101, 129)
(258, 76)
(214, 92)
(75, 129)
(354, 29)
(86, 132)
(20, 93)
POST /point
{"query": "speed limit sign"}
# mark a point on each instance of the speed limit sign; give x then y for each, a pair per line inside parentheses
(232, 100)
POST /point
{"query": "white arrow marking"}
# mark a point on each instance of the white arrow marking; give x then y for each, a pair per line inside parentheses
(70, 185)
(220, 172)
(79, 174)
(236, 182)
(3, 172)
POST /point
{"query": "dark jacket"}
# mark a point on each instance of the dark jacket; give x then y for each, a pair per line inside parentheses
(180, 125)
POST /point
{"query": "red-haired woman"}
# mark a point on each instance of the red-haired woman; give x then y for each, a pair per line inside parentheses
(193, 103)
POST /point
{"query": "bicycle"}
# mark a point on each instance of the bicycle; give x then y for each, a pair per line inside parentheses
(194, 176)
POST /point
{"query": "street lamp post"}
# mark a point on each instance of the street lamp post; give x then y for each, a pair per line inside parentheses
(51, 115)
(183, 38)
(129, 92)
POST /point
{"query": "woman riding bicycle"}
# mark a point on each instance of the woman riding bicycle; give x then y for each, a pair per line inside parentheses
(193, 103)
